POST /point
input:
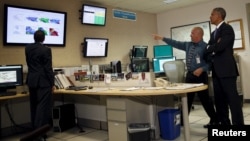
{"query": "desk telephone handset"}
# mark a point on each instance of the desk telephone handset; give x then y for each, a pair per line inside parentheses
(164, 83)
(161, 82)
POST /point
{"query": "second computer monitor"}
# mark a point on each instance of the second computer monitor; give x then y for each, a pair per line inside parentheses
(158, 63)
(139, 51)
(140, 65)
(163, 51)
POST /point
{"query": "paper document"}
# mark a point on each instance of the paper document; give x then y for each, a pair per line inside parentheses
(182, 86)
(131, 89)
(152, 88)
(98, 89)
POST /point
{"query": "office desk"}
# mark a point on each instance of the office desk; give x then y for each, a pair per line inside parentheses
(141, 92)
(3, 98)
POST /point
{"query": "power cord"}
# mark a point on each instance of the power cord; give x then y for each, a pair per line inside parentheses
(77, 123)
(12, 120)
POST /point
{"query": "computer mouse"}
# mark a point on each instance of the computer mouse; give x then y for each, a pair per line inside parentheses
(24, 92)
(90, 87)
(76, 89)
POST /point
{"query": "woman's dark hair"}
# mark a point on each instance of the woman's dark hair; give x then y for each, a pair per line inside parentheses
(39, 36)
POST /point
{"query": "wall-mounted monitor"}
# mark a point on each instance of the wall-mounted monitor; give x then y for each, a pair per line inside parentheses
(139, 51)
(20, 24)
(162, 51)
(10, 77)
(93, 15)
(158, 63)
(95, 47)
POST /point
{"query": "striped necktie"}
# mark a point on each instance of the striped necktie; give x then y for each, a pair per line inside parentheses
(190, 57)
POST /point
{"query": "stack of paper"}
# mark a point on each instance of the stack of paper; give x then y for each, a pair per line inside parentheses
(131, 89)
(152, 88)
(182, 86)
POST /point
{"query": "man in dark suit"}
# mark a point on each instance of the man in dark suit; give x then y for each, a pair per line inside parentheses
(40, 80)
(224, 69)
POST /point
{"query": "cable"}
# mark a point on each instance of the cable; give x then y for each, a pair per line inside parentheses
(12, 120)
(77, 124)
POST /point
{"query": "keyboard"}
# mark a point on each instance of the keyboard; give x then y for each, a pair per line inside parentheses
(77, 88)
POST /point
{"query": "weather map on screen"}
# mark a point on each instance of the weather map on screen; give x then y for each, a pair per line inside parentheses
(22, 22)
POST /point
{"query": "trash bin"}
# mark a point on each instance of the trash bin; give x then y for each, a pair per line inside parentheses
(139, 132)
(169, 121)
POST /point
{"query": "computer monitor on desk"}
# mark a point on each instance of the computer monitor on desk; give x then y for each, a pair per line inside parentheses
(140, 65)
(158, 63)
(10, 77)
(139, 51)
(161, 51)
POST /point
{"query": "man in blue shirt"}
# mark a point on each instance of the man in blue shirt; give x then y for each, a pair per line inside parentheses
(197, 68)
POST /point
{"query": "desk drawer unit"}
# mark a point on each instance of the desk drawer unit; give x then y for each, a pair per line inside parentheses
(117, 131)
(117, 119)
(116, 103)
(115, 115)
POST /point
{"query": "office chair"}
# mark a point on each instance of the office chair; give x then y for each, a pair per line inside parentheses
(34, 135)
(174, 71)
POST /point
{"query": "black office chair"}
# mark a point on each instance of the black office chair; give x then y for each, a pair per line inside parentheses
(36, 134)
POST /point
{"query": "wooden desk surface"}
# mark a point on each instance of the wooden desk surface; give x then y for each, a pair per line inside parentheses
(116, 92)
(139, 92)
(13, 96)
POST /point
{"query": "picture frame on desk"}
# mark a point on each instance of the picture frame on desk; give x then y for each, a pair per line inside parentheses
(95, 77)
(120, 76)
(101, 77)
(113, 76)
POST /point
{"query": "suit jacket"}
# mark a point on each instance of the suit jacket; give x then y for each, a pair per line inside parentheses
(39, 61)
(221, 50)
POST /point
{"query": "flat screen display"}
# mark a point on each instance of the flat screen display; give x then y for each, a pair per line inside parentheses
(158, 63)
(93, 15)
(163, 51)
(10, 77)
(140, 65)
(95, 47)
(20, 24)
(139, 51)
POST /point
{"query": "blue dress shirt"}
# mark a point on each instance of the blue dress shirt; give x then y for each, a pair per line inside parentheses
(197, 60)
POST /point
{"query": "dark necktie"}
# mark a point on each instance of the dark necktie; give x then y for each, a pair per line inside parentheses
(190, 56)
(215, 32)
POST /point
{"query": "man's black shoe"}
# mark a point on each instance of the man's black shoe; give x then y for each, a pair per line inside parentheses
(206, 126)
(210, 123)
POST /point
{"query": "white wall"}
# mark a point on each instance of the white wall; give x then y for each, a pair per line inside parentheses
(236, 9)
(122, 34)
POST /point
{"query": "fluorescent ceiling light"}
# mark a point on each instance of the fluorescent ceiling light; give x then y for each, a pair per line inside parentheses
(169, 1)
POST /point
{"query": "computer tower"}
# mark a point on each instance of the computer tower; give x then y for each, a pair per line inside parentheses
(63, 117)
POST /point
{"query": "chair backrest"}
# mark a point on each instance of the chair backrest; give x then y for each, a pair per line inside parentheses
(174, 70)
